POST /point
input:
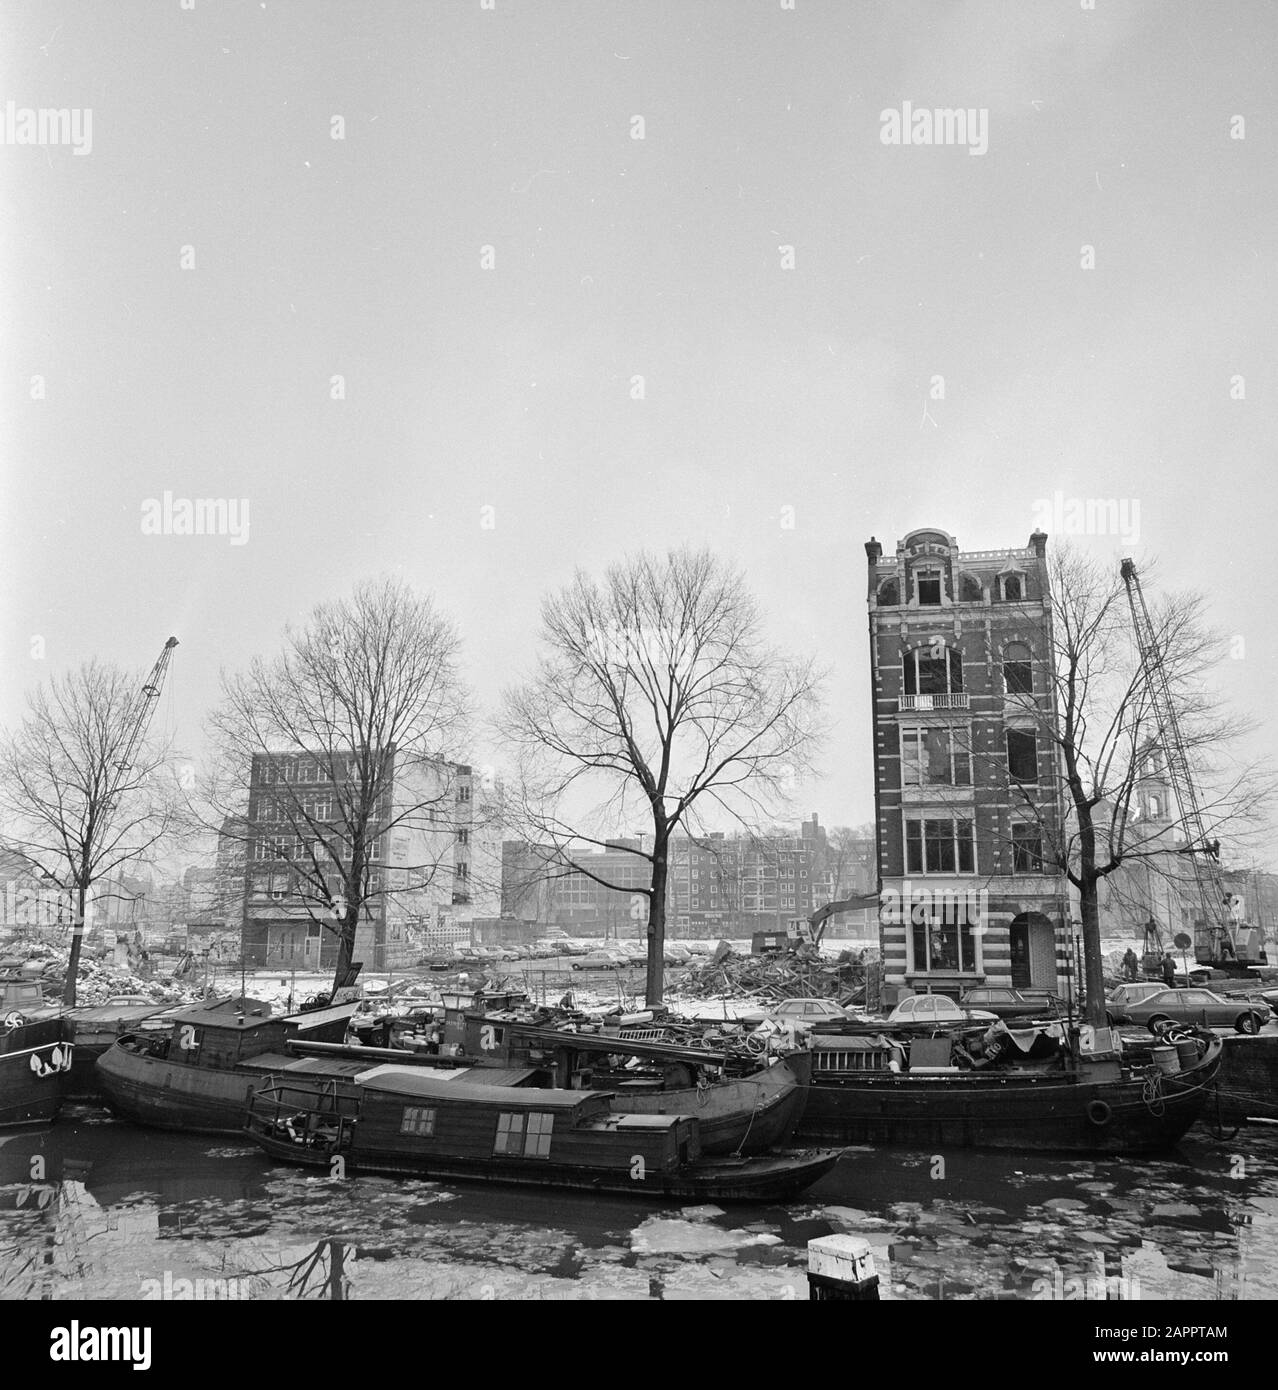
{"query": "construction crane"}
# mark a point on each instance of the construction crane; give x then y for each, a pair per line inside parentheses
(140, 717)
(1215, 943)
(139, 720)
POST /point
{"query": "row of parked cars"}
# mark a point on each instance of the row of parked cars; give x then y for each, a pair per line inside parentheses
(1152, 1004)
(628, 955)
(1149, 1004)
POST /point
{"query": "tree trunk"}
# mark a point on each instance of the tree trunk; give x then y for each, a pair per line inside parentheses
(654, 992)
(345, 946)
(1093, 978)
(77, 940)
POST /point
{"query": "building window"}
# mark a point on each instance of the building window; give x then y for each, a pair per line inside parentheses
(1018, 671)
(1027, 849)
(889, 594)
(926, 674)
(1022, 755)
(418, 1119)
(970, 589)
(932, 757)
(1013, 587)
(461, 870)
(939, 847)
(463, 837)
(944, 945)
(927, 584)
(463, 793)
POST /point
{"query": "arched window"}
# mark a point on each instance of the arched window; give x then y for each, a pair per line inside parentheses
(926, 674)
(1013, 588)
(970, 589)
(1018, 669)
(1155, 807)
(889, 595)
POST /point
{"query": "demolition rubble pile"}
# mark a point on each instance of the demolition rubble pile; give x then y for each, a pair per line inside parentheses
(98, 981)
(799, 973)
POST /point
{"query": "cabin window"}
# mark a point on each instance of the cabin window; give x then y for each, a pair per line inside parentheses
(526, 1135)
(418, 1119)
(510, 1134)
(537, 1144)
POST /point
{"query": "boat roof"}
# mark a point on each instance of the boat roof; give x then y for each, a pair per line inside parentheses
(315, 1018)
(417, 1085)
(255, 1014)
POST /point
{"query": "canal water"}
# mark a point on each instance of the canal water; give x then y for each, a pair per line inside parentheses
(96, 1208)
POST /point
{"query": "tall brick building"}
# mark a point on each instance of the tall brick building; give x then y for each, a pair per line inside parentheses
(967, 792)
(437, 867)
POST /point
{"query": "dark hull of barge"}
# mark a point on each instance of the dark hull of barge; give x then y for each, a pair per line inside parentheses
(1025, 1111)
(726, 1178)
(35, 1060)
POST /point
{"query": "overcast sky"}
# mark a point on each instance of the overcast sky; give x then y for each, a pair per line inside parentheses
(127, 375)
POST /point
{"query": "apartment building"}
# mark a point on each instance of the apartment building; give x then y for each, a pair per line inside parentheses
(967, 790)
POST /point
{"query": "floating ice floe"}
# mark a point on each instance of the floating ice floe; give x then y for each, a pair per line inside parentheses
(666, 1236)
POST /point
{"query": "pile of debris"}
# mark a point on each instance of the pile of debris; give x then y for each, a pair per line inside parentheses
(798, 973)
(97, 981)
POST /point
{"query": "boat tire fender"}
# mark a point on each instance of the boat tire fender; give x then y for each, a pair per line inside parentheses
(1099, 1113)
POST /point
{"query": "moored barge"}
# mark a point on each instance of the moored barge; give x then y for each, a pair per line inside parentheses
(1072, 1105)
(410, 1123)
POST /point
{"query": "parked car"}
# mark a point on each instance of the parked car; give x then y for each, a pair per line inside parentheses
(807, 1011)
(24, 997)
(1013, 1003)
(1126, 995)
(601, 960)
(1193, 1006)
(935, 1011)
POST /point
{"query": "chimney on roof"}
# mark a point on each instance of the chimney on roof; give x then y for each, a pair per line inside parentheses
(1038, 543)
(873, 550)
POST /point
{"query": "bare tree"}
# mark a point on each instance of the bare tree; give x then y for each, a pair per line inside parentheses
(655, 701)
(850, 851)
(333, 760)
(80, 800)
(1103, 728)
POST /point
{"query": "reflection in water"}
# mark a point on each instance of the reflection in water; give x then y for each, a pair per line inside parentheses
(94, 1208)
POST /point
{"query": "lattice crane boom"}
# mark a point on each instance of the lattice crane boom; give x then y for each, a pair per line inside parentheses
(148, 697)
(1203, 854)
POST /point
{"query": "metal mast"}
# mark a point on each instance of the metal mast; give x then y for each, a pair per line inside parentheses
(1203, 854)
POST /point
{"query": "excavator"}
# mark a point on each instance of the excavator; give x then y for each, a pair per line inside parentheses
(817, 921)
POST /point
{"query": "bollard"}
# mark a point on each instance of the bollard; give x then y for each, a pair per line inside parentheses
(841, 1268)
